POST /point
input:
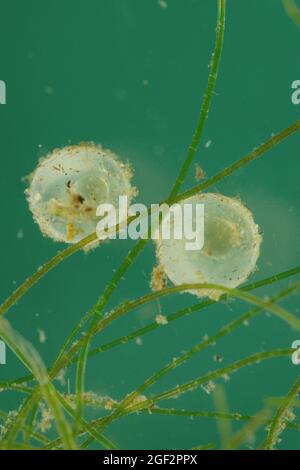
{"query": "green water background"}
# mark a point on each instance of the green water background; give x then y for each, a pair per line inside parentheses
(130, 75)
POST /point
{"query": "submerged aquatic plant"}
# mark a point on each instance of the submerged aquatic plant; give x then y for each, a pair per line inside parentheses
(59, 196)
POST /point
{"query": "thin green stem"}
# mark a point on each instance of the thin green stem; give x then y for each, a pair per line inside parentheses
(16, 384)
(27, 430)
(104, 322)
(292, 10)
(100, 304)
(44, 269)
(31, 359)
(187, 311)
(30, 424)
(250, 157)
(150, 403)
(208, 446)
(281, 417)
(221, 406)
(92, 237)
(226, 329)
(268, 305)
(211, 414)
(79, 387)
(248, 431)
(214, 375)
(133, 254)
(23, 288)
(207, 99)
(84, 425)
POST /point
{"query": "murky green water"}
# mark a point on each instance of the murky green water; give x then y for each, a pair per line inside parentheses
(130, 75)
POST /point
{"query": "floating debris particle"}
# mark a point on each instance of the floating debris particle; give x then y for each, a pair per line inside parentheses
(49, 90)
(209, 387)
(20, 234)
(46, 420)
(161, 319)
(218, 358)
(158, 278)
(138, 400)
(226, 377)
(163, 4)
(42, 336)
(61, 377)
(70, 232)
(109, 403)
(92, 399)
(199, 173)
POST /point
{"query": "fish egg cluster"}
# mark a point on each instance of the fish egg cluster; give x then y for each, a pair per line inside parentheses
(69, 184)
(230, 251)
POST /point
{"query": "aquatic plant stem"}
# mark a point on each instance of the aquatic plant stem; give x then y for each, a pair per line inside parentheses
(98, 307)
(236, 293)
(221, 406)
(204, 111)
(133, 254)
(61, 256)
(187, 311)
(36, 435)
(292, 10)
(195, 383)
(207, 99)
(16, 384)
(275, 140)
(249, 430)
(279, 422)
(83, 356)
(234, 416)
(150, 403)
(203, 116)
(226, 329)
(97, 402)
(44, 269)
(31, 359)
(104, 322)
(251, 156)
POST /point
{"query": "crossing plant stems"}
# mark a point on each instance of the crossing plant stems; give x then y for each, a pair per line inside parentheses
(74, 431)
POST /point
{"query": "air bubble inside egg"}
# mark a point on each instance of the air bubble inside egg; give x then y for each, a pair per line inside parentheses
(69, 184)
(230, 252)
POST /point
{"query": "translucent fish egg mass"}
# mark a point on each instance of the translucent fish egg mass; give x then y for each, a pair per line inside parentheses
(230, 251)
(69, 184)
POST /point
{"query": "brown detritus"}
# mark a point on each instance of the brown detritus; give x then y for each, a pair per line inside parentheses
(161, 319)
(70, 232)
(218, 358)
(76, 199)
(199, 173)
(158, 278)
(59, 168)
